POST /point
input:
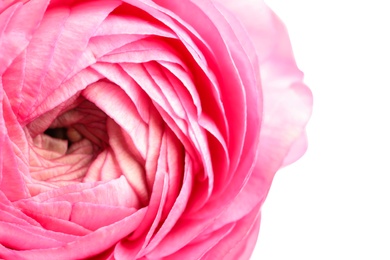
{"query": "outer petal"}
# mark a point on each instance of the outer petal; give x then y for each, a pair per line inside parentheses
(297, 149)
(85, 246)
(13, 163)
(227, 225)
(287, 101)
(17, 24)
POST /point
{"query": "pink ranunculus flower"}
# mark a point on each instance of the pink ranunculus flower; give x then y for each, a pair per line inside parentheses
(139, 129)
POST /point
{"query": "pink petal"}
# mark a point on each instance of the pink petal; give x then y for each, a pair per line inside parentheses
(13, 215)
(81, 247)
(13, 169)
(103, 168)
(130, 167)
(93, 216)
(199, 248)
(262, 25)
(118, 76)
(59, 27)
(231, 86)
(57, 209)
(150, 220)
(277, 136)
(153, 147)
(240, 243)
(297, 149)
(122, 110)
(60, 225)
(64, 96)
(115, 193)
(19, 22)
(176, 211)
(285, 97)
(30, 237)
(132, 25)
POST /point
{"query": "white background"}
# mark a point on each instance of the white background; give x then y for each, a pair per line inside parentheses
(335, 202)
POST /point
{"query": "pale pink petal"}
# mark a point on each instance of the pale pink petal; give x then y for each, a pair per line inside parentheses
(115, 193)
(121, 110)
(282, 125)
(297, 149)
(130, 167)
(262, 26)
(118, 76)
(103, 168)
(153, 146)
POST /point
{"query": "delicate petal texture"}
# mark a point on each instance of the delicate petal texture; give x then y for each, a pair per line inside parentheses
(140, 129)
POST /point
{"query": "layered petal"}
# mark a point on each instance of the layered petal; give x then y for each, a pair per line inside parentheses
(142, 129)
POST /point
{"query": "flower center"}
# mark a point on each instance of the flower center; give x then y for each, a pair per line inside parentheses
(63, 133)
(62, 153)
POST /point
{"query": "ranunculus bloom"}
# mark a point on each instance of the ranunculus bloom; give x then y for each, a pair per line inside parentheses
(139, 129)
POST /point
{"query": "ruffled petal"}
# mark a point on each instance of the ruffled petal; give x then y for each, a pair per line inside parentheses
(287, 101)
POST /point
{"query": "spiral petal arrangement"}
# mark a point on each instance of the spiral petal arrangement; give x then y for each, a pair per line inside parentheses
(141, 129)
